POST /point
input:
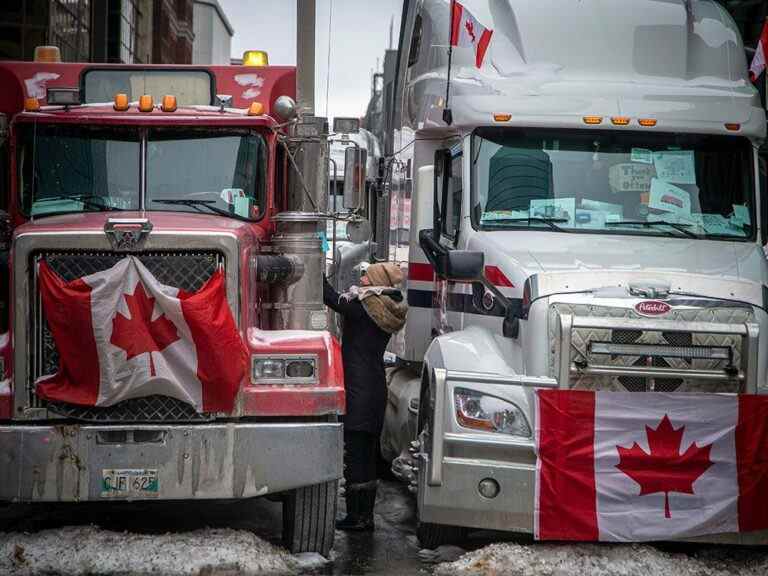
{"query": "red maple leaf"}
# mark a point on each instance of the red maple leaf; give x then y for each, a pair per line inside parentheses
(139, 334)
(470, 30)
(664, 469)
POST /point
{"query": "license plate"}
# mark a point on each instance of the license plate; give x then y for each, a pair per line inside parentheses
(127, 483)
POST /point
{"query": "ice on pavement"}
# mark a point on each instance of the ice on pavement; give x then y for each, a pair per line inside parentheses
(77, 551)
(509, 559)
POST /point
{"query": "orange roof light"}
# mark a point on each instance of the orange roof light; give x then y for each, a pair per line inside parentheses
(31, 105)
(47, 54)
(255, 58)
(121, 102)
(502, 117)
(256, 109)
(169, 103)
(145, 103)
(620, 120)
(593, 119)
(647, 122)
(733, 127)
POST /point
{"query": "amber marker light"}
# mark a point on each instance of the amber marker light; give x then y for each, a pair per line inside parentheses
(620, 120)
(733, 127)
(593, 119)
(502, 117)
(256, 109)
(169, 103)
(145, 103)
(47, 54)
(647, 122)
(31, 105)
(255, 58)
(121, 102)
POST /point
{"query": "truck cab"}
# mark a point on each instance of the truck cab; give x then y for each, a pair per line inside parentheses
(593, 218)
(185, 169)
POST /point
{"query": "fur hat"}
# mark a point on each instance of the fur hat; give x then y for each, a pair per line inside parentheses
(384, 274)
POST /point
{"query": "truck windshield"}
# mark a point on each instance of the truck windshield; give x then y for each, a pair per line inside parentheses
(64, 168)
(76, 169)
(206, 170)
(613, 183)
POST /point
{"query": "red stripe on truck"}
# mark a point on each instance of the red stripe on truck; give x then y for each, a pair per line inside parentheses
(423, 272)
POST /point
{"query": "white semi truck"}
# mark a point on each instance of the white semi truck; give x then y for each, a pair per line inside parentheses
(593, 218)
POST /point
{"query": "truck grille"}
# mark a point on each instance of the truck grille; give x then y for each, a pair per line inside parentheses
(184, 270)
(624, 333)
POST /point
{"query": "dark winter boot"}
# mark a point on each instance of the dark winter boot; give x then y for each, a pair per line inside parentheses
(360, 500)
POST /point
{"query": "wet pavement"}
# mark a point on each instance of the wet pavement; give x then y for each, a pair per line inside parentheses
(392, 549)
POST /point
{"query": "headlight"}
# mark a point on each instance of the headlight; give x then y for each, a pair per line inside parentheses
(284, 369)
(490, 414)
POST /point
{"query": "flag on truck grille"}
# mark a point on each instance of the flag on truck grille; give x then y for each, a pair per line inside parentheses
(121, 334)
(467, 32)
(618, 466)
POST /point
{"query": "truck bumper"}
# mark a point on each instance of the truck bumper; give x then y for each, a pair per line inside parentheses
(457, 501)
(68, 463)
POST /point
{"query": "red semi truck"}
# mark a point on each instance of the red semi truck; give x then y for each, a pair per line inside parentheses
(192, 172)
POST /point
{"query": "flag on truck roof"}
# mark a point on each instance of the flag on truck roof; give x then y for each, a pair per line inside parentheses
(759, 60)
(122, 334)
(467, 32)
(618, 466)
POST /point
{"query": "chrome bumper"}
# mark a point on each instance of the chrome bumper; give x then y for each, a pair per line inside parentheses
(66, 463)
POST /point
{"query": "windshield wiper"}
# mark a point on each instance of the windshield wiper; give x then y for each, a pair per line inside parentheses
(197, 204)
(548, 221)
(86, 199)
(680, 227)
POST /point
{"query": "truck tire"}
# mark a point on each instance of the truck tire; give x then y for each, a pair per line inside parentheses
(309, 518)
(430, 535)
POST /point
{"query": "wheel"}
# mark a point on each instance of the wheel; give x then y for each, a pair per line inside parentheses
(430, 535)
(309, 517)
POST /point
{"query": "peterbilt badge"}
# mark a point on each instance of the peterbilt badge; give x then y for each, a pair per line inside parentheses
(652, 308)
(127, 234)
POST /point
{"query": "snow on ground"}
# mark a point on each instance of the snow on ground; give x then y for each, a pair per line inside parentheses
(86, 550)
(510, 559)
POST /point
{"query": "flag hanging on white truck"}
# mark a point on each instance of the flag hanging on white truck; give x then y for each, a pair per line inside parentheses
(616, 466)
(467, 32)
(121, 334)
(760, 58)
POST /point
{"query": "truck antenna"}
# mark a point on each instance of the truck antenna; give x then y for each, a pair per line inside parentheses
(447, 114)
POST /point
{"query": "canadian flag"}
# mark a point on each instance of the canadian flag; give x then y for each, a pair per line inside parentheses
(620, 466)
(121, 334)
(760, 58)
(467, 32)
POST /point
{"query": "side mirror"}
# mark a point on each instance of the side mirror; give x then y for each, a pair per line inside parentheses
(355, 160)
(763, 199)
(455, 265)
(464, 265)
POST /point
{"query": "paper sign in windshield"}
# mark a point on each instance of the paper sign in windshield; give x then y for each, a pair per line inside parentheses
(630, 177)
(675, 167)
(666, 197)
(642, 155)
(564, 208)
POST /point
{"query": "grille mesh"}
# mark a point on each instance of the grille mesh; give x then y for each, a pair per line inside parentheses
(184, 270)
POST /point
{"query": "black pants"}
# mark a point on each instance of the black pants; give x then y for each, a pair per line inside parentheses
(360, 457)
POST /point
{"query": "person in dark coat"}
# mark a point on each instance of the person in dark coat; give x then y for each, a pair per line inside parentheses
(370, 315)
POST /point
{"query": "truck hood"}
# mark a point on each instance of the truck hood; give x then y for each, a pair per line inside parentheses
(657, 258)
(161, 222)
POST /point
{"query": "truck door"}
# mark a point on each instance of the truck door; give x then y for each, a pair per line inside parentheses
(449, 187)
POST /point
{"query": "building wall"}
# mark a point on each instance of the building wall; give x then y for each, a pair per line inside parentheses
(213, 34)
(172, 33)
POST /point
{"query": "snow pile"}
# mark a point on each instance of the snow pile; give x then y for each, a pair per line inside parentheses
(604, 560)
(85, 550)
